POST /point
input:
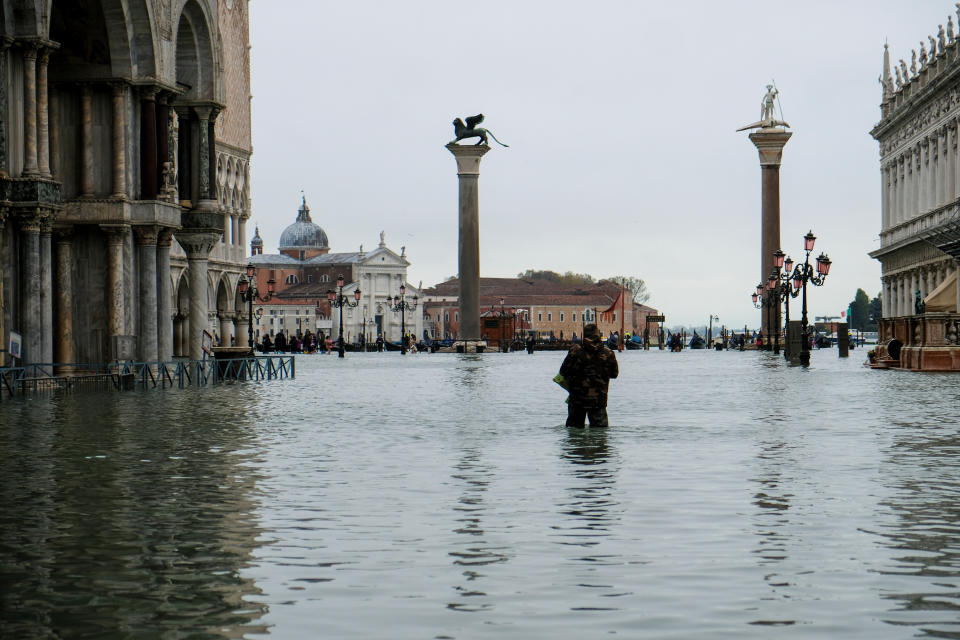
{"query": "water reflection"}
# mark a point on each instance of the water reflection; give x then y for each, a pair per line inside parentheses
(106, 525)
(922, 471)
(473, 552)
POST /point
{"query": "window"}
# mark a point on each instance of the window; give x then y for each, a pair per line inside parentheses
(438, 317)
(324, 278)
(574, 316)
(301, 254)
(561, 316)
(292, 279)
(614, 316)
(549, 317)
(539, 316)
(309, 278)
(446, 317)
(457, 316)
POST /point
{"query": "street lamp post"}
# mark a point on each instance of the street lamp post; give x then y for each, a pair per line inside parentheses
(784, 289)
(710, 319)
(400, 304)
(337, 299)
(807, 274)
(248, 293)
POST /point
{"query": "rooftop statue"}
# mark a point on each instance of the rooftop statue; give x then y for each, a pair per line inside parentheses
(950, 36)
(471, 130)
(767, 112)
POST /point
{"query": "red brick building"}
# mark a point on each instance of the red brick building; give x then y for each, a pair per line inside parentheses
(517, 306)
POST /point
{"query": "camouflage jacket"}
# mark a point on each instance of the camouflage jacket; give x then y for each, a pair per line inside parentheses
(588, 368)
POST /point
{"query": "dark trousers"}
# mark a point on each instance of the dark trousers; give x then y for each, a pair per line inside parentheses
(576, 416)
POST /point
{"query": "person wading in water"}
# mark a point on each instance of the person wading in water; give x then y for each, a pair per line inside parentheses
(587, 369)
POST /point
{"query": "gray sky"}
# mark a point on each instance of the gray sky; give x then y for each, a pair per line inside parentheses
(621, 119)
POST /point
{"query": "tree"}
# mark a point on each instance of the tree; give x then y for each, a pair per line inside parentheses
(568, 278)
(860, 311)
(636, 286)
(876, 312)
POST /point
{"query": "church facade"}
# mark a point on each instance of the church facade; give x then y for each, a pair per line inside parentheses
(304, 270)
(124, 176)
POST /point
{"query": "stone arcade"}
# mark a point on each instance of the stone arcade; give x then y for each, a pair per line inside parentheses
(124, 125)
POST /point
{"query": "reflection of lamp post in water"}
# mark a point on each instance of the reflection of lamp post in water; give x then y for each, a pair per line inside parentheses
(400, 304)
(248, 292)
(340, 301)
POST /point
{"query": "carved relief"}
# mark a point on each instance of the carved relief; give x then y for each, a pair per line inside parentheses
(161, 10)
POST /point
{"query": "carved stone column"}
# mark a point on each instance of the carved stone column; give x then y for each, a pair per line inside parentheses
(164, 296)
(53, 112)
(884, 296)
(87, 182)
(43, 121)
(885, 185)
(149, 315)
(954, 160)
(197, 247)
(942, 166)
(30, 112)
(185, 158)
(203, 121)
(119, 142)
(116, 235)
(227, 330)
(30, 308)
(902, 189)
(148, 144)
(63, 346)
(4, 153)
(46, 290)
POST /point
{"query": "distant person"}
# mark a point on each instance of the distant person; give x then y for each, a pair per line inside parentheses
(531, 342)
(588, 368)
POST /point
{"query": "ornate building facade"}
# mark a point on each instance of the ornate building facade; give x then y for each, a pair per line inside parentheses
(304, 270)
(124, 173)
(920, 174)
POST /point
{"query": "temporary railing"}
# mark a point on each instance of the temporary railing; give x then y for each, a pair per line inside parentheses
(76, 376)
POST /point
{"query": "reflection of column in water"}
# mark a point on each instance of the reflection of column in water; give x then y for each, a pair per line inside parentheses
(470, 508)
(591, 505)
(771, 518)
(142, 502)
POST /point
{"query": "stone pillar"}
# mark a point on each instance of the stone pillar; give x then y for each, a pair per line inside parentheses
(30, 113)
(204, 151)
(884, 296)
(942, 167)
(53, 110)
(63, 347)
(115, 298)
(148, 144)
(164, 296)
(46, 291)
(87, 183)
(185, 158)
(197, 246)
(955, 160)
(468, 174)
(149, 314)
(4, 212)
(226, 328)
(4, 154)
(902, 190)
(769, 142)
(178, 331)
(30, 308)
(119, 189)
(931, 279)
(240, 327)
(43, 121)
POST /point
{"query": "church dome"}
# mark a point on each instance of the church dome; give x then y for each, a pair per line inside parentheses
(303, 234)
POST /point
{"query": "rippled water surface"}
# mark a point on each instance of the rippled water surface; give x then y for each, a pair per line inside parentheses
(440, 496)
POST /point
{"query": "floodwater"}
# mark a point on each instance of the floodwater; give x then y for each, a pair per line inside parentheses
(440, 497)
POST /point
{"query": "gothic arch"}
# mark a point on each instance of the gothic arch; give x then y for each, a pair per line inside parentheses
(107, 38)
(196, 54)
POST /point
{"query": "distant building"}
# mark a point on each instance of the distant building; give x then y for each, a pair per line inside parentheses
(304, 270)
(540, 307)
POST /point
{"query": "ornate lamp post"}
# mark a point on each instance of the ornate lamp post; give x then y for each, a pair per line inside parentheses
(801, 275)
(784, 289)
(337, 299)
(248, 293)
(710, 320)
(400, 304)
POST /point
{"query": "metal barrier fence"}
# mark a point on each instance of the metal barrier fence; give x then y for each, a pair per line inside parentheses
(79, 376)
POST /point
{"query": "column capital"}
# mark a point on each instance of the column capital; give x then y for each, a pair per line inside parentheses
(115, 232)
(468, 157)
(30, 50)
(148, 92)
(202, 113)
(64, 234)
(146, 234)
(165, 237)
(770, 145)
(30, 220)
(197, 245)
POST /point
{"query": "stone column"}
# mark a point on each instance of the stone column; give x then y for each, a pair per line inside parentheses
(185, 158)
(43, 121)
(203, 155)
(115, 298)
(884, 296)
(769, 142)
(63, 347)
(955, 161)
(226, 328)
(931, 279)
(468, 174)
(30, 112)
(46, 291)
(30, 307)
(164, 296)
(4, 213)
(119, 142)
(4, 155)
(942, 167)
(197, 247)
(53, 109)
(148, 144)
(87, 182)
(240, 326)
(902, 189)
(149, 314)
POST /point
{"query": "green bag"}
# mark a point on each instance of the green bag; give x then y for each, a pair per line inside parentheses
(560, 380)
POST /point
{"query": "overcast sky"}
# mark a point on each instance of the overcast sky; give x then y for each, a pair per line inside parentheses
(621, 119)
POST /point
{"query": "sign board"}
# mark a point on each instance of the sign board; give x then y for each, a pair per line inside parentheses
(656, 318)
(16, 344)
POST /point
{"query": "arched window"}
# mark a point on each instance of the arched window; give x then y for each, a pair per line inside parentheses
(324, 278)
(292, 279)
